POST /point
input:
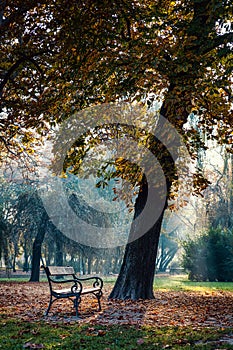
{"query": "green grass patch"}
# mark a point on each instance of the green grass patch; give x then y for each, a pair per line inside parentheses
(14, 279)
(168, 283)
(35, 335)
(181, 283)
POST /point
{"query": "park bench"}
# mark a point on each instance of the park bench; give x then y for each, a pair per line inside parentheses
(74, 286)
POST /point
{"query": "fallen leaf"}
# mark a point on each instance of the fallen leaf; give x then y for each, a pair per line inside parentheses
(33, 346)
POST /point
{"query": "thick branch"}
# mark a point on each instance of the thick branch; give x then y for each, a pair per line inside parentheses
(219, 40)
(13, 69)
(7, 146)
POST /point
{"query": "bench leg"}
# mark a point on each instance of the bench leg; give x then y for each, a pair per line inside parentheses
(98, 296)
(50, 303)
(77, 301)
(99, 304)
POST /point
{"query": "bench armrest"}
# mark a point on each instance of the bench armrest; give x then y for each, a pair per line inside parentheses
(62, 281)
(76, 287)
(97, 281)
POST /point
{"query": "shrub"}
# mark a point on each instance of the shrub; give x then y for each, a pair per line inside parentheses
(210, 256)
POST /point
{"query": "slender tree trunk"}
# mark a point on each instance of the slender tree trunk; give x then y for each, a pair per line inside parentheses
(6, 254)
(14, 263)
(89, 264)
(167, 258)
(159, 268)
(26, 258)
(36, 249)
(50, 255)
(80, 263)
(59, 248)
(83, 263)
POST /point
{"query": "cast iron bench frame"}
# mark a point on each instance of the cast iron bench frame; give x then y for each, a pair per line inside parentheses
(75, 290)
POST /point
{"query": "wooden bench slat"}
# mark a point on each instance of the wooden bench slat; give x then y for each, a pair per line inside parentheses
(62, 291)
(60, 270)
(84, 291)
(90, 290)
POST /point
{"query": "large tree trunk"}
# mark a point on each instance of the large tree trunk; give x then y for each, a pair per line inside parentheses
(135, 280)
(136, 277)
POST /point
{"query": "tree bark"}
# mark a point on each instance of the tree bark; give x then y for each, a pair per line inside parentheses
(136, 277)
(59, 248)
(135, 280)
(4, 244)
(36, 249)
(26, 259)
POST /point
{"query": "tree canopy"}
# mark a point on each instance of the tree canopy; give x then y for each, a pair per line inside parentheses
(62, 56)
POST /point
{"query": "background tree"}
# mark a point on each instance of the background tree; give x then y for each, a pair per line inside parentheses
(9, 234)
(219, 195)
(167, 250)
(209, 257)
(22, 241)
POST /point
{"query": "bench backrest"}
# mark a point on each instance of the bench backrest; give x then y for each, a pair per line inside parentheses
(60, 270)
(58, 275)
(57, 272)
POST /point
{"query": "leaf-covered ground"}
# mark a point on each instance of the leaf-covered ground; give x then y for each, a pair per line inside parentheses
(28, 302)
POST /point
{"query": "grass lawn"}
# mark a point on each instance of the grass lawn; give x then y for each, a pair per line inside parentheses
(177, 300)
(181, 282)
(161, 282)
(41, 335)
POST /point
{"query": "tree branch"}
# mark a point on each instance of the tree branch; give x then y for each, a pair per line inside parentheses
(14, 67)
(219, 40)
(7, 146)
